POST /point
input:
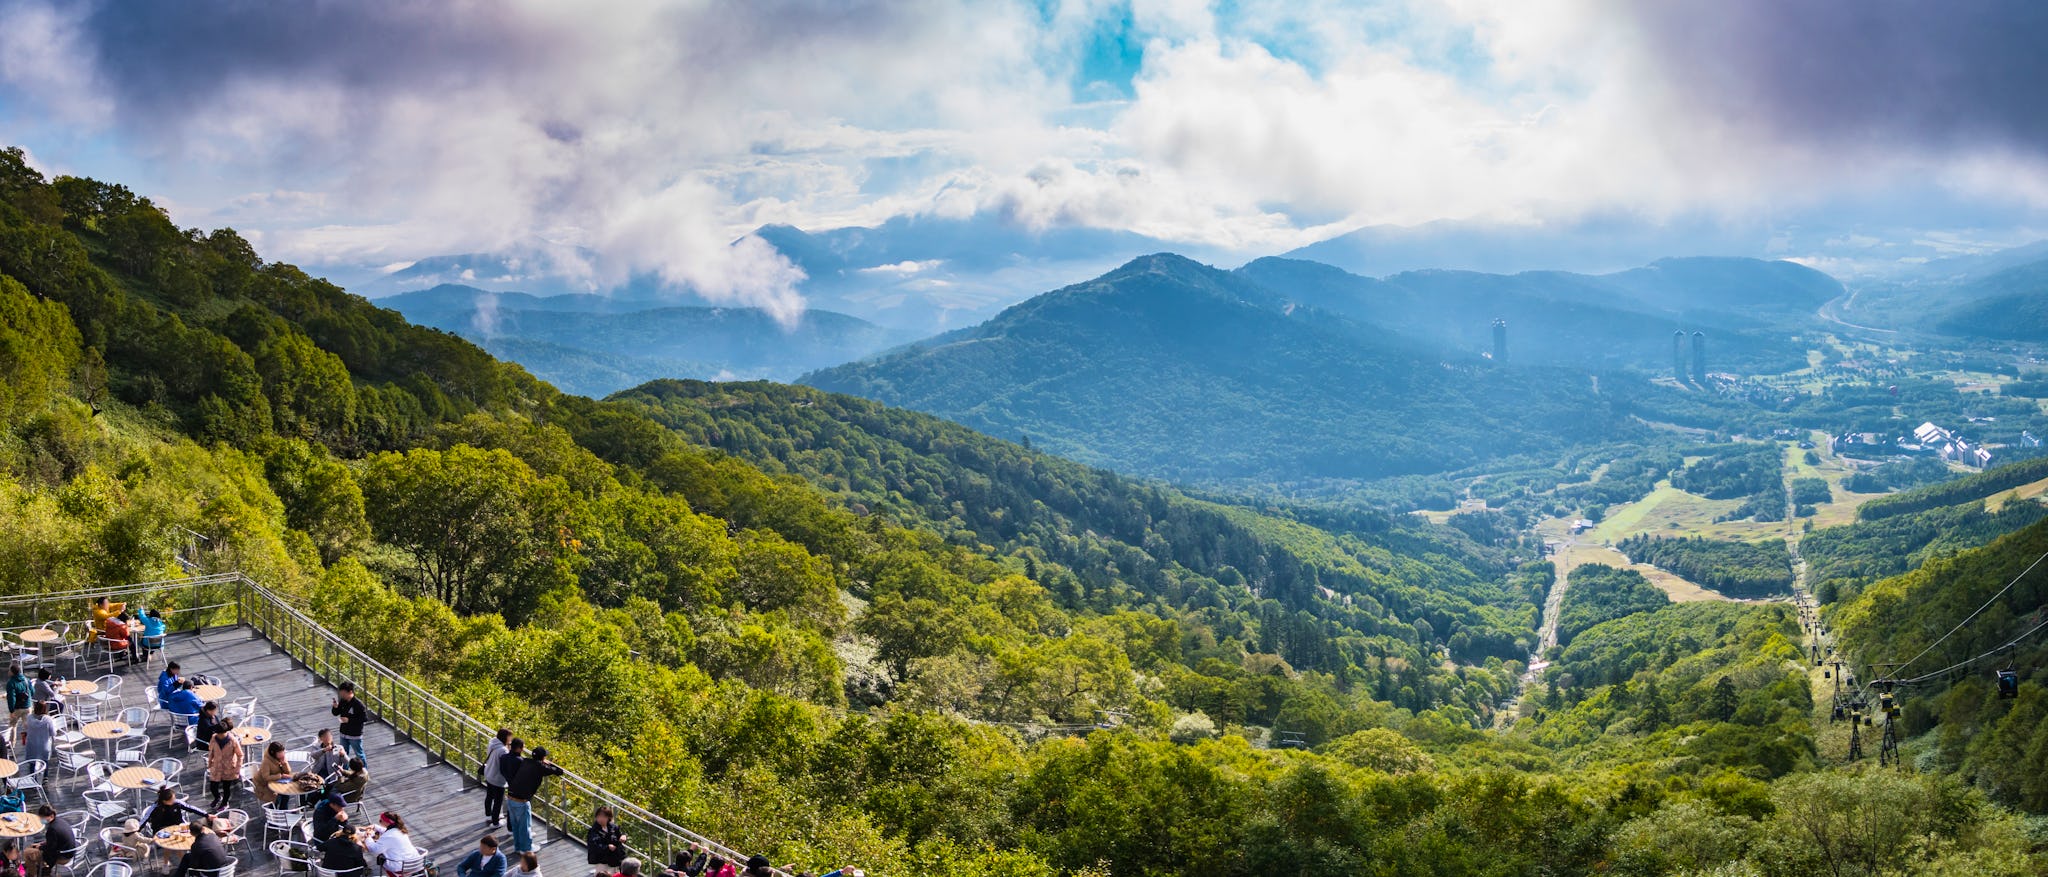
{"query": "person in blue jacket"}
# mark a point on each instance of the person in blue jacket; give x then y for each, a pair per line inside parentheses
(184, 702)
(167, 682)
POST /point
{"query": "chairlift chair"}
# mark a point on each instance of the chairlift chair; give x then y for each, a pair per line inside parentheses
(2008, 684)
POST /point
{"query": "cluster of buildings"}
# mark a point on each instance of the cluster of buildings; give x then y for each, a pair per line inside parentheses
(1927, 438)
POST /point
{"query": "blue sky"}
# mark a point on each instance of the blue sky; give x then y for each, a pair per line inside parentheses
(654, 134)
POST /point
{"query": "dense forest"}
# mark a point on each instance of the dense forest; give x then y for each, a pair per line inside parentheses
(1738, 569)
(1960, 490)
(1840, 561)
(1752, 472)
(676, 621)
(1898, 475)
(1596, 592)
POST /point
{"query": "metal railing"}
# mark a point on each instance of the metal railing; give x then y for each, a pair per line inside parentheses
(448, 734)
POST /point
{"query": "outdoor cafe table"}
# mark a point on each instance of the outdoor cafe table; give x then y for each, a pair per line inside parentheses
(108, 730)
(38, 637)
(293, 786)
(78, 688)
(251, 736)
(8, 768)
(139, 778)
(177, 838)
(20, 824)
(210, 692)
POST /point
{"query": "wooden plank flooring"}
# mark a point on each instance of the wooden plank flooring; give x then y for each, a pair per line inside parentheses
(442, 805)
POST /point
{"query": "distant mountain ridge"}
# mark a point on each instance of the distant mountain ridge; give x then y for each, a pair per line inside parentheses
(596, 345)
(1170, 368)
(1624, 319)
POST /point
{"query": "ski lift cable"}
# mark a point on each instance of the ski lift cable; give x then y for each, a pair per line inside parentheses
(1965, 663)
(1972, 616)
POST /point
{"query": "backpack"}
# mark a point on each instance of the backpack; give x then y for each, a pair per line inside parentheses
(15, 803)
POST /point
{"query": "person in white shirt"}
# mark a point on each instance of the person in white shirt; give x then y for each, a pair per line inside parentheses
(393, 848)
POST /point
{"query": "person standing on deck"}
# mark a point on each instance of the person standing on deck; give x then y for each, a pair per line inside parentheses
(521, 784)
(494, 777)
(353, 717)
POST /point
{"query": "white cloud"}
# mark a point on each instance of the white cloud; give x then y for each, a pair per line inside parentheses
(656, 134)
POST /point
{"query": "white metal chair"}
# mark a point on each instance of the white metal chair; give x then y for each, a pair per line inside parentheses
(414, 867)
(300, 749)
(240, 709)
(85, 709)
(68, 650)
(105, 804)
(77, 818)
(131, 750)
(232, 823)
(325, 872)
(29, 775)
(170, 768)
(263, 722)
(100, 776)
(112, 868)
(68, 732)
(281, 820)
(227, 870)
(291, 855)
(110, 689)
(72, 759)
(137, 720)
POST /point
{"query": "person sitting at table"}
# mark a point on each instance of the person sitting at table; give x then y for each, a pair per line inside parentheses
(167, 682)
(102, 609)
(327, 761)
(331, 813)
(484, 861)
(529, 866)
(152, 632)
(208, 853)
(340, 853)
(393, 846)
(13, 861)
(45, 690)
(207, 724)
(168, 811)
(352, 782)
(273, 768)
(60, 843)
(131, 844)
(223, 765)
(184, 702)
(117, 636)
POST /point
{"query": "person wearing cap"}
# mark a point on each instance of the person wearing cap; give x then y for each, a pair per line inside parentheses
(330, 815)
(134, 845)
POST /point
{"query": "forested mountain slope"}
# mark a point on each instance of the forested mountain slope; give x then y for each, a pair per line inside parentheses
(678, 624)
(1095, 531)
(1168, 368)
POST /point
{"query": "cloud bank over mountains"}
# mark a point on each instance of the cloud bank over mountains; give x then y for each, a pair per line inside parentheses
(655, 135)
